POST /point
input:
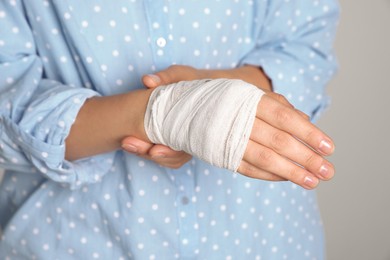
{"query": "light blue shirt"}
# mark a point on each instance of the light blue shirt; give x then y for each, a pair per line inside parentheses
(56, 54)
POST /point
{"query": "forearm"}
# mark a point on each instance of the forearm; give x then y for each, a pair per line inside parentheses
(103, 122)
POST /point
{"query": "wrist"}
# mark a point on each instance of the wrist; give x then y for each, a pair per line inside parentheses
(103, 122)
(136, 103)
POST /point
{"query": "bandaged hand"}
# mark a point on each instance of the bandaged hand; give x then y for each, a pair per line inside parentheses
(234, 125)
(209, 119)
(162, 154)
(283, 145)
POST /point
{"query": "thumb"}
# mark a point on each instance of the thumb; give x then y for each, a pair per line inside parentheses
(151, 80)
(134, 145)
(172, 74)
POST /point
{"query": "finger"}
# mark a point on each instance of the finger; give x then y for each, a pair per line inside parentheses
(175, 163)
(251, 171)
(170, 162)
(162, 151)
(134, 145)
(163, 77)
(291, 148)
(288, 120)
(176, 73)
(151, 80)
(280, 98)
(268, 160)
(172, 74)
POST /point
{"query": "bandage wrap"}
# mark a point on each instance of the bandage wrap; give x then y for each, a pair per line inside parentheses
(209, 119)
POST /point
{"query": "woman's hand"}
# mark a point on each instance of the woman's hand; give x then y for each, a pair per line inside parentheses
(285, 145)
(162, 154)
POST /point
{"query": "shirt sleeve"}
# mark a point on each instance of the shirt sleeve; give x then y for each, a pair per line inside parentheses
(36, 113)
(293, 46)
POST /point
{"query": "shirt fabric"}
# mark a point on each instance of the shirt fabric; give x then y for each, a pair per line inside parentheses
(56, 54)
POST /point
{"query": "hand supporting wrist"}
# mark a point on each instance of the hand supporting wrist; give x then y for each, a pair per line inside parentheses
(210, 119)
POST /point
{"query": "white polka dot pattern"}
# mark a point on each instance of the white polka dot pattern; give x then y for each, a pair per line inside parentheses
(56, 54)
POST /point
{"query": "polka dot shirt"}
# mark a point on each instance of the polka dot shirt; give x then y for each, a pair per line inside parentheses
(56, 54)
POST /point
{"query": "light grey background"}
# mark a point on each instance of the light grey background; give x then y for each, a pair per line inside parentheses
(356, 204)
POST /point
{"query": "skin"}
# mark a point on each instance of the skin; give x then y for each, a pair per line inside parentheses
(284, 144)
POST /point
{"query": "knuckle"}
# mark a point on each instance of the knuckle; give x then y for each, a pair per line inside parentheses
(304, 115)
(174, 67)
(279, 141)
(283, 116)
(265, 157)
(170, 74)
(279, 97)
(249, 171)
(179, 68)
(175, 73)
(283, 99)
(294, 173)
(165, 76)
(273, 95)
(311, 135)
(313, 161)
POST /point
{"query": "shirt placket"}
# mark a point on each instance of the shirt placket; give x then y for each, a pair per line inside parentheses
(157, 14)
(188, 235)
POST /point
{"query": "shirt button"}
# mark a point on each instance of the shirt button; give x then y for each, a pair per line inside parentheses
(161, 42)
(185, 200)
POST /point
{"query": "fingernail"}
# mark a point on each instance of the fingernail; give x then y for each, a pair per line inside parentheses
(326, 147)
(130, 148)
(324, 171)
(156, 79)
(311, 181)
(158, 156)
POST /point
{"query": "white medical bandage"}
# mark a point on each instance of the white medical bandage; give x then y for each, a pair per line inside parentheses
(209, 119)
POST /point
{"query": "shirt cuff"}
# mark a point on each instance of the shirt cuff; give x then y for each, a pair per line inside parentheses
(48, 156)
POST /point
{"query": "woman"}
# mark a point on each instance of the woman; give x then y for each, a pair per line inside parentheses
(71, 94)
